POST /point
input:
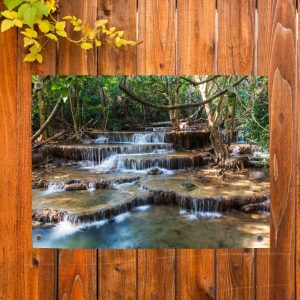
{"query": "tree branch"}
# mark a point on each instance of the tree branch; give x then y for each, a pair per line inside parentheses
(139, 99)
(47, 122)
(195, 83)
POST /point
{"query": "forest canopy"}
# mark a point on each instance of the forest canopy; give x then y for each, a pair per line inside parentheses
(234, 105)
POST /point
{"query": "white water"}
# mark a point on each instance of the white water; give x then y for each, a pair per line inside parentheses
(145, 138)
(199, 214)
(101, 140)
(65, 228)
(122, 217)
(53, 187)
(143, 208)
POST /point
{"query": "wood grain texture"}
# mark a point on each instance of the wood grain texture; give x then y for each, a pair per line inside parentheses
(77, 268)
(117, 274)
(236, 33)
(29, 274)
(196, 36)
(298, 181)
(71, 59)
(41, 282)
(121, 14)
(156, 31)
(156, 55)
(195, 274)
(236, 48)
(262, 260)
(235, 274)
(77, 275)
(282, 86)
(117, 270)
(10, 254)
(156, 274)
(195, 55)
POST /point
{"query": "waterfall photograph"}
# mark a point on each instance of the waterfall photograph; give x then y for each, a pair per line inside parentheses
(121, 162)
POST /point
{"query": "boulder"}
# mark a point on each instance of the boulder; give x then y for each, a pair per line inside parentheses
(155, 171)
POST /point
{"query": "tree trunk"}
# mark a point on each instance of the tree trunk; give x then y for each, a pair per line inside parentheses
(49, 119)
(220, 149)
(41, 108)
(75, 125)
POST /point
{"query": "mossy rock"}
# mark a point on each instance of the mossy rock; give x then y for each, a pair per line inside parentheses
(188, 185)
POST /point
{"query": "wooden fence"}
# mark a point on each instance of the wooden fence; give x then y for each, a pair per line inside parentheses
(183, 37)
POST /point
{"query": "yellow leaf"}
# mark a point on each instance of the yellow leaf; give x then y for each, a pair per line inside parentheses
(18, 23)
(60, 26)
(6, 24)
(77, 28)
(39, 58)
(100, 23)
(68, 18)
(112, 28)
(37, 44)
(35, 50)
(51, 36)
(51, 5)
(61, 33)
(44, 26)
(9, 14)
(30, 57)
(28, 41)
(97, 43)
(29, 33)
(92, 35)
(86, 45)
(51, 27)
(120, 33)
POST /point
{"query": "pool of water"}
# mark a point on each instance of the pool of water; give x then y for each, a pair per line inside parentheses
(160, 227)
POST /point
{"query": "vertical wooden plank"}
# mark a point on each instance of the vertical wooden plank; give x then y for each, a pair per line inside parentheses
(117, 274)
(235, 274)
(282, 86)
(41, 282)
(236, 36)
(121, 14)
(117, 269)
(156, 55)
(156, 29)
(298, 176)
(196, 36)
(77, 268)
(262, 262)
(156, 274)
(9, 252)
(21, 266)
(196, 55)
(72, 60)
(195, 274)
(236, 52)
(77, 274)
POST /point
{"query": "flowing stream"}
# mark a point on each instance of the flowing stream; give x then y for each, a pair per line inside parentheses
(104, 201)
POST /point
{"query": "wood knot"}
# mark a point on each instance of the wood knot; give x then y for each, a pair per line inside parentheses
(35, 261)
(107, 12)
(281, 118)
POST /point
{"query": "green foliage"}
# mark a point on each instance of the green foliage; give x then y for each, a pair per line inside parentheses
(37, 19)
(243, 110)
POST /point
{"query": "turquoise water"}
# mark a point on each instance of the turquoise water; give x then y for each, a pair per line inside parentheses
(159, 227)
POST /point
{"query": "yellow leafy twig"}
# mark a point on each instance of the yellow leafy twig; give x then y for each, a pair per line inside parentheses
(36, 19)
